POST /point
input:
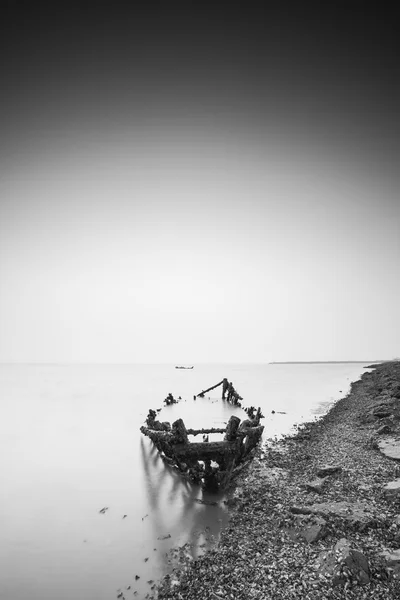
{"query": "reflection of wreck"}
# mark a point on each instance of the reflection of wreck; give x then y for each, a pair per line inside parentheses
(194, 459)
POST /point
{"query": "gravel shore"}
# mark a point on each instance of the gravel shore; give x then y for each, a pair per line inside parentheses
(289, 511)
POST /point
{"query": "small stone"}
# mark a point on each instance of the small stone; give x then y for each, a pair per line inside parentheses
(316, 485)
(301, 510)
(389, 421)
(383, 429)
(392, 557)
(392, 489)
(309, 528)
(326, 470)
(331, 563)
(381, 412)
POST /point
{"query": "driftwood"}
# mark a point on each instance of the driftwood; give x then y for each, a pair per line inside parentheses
(232, 395)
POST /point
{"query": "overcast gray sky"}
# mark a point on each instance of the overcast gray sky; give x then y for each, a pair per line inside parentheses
(198, 194)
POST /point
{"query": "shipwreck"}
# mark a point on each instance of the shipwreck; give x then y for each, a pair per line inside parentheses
(212, 464)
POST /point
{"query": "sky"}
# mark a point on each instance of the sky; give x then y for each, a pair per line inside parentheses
(189, 183)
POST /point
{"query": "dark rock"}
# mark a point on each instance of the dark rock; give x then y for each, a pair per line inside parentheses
(382, 411)
(343, 563)
(381, 414)
(395, 390)
(309, 528)
(389, 421)
(369, 418)
(383, 429)
(326, 470)
(392, 560)
(301, 510)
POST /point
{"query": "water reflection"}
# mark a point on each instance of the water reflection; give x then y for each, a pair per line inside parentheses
(173, 509)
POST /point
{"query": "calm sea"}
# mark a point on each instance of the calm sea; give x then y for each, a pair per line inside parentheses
(70, 445)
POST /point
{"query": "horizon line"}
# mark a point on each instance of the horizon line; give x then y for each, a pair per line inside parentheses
(59, 363)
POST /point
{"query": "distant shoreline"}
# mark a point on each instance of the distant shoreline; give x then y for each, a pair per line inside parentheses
(326, 362)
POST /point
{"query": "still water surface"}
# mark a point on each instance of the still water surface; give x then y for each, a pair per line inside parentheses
(70, 445)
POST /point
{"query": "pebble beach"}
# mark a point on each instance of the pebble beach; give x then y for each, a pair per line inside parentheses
(315, 515)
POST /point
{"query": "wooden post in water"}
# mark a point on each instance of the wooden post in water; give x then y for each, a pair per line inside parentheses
(232, 428)
(179, 431)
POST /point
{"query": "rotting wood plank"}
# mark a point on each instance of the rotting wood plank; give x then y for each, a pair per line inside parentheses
(205, 451)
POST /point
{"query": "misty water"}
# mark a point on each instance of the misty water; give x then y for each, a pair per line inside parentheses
(71, 445)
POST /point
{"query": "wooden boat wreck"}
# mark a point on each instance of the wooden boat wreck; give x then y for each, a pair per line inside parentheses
(211, 463)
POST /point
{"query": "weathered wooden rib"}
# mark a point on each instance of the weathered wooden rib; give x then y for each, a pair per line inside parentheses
(206, 450)
(210, 388)
(227, 388)
(194, 458)
(204, 431)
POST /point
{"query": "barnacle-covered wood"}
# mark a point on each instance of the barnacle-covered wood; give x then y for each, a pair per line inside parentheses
(232, 428)
(194, 458)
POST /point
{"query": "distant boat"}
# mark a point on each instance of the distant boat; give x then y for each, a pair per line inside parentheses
(184, 367)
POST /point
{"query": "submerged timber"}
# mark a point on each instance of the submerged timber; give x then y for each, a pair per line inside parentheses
(195, 459)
